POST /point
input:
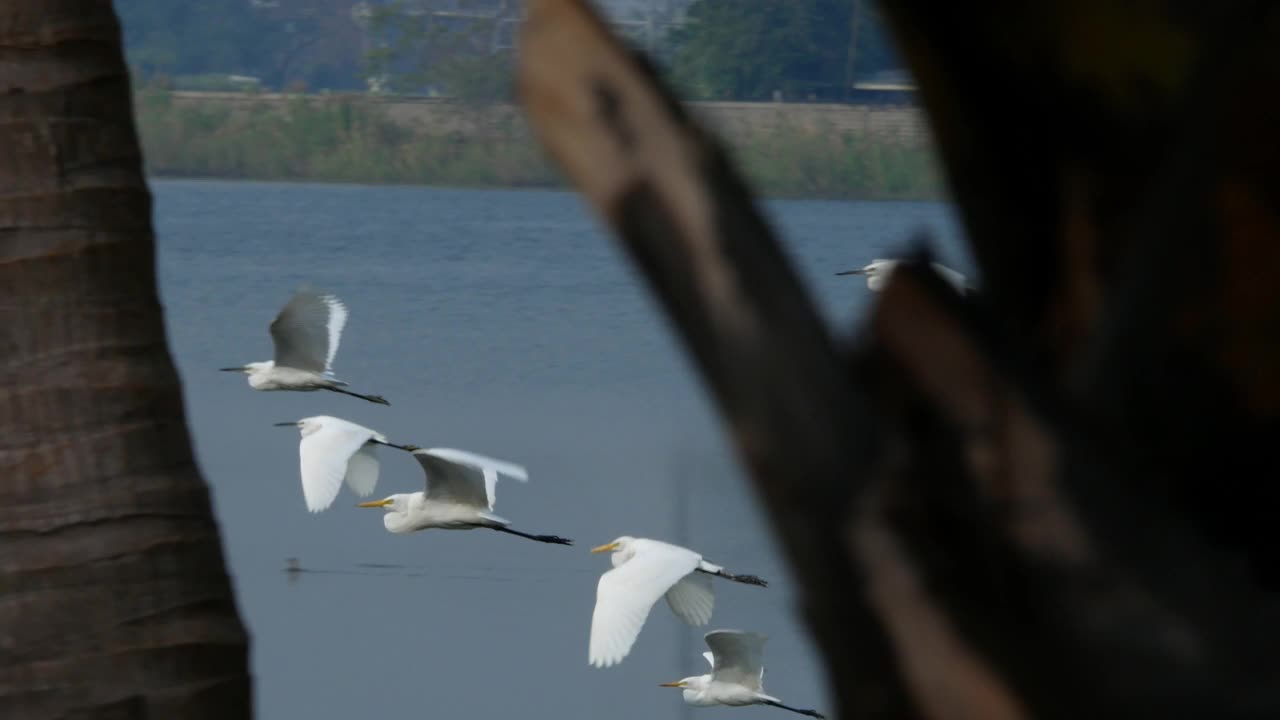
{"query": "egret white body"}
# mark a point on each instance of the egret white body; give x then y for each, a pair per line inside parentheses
(879, 270)
(306, 334)
(460, 495)
(333, 450)
(737, 674)
(643, 571)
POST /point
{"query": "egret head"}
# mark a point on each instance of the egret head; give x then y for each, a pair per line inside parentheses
(877, 273)
(619, 545)
(251, 368)
(693, 683)
(306, 425)
(872, 268)
(623, 549)
(692, 686)
(398, 503)
(879, 268)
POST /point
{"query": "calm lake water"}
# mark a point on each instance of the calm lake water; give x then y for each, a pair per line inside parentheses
(506, 323)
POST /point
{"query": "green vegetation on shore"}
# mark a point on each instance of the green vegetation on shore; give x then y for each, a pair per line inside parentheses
(347, 140)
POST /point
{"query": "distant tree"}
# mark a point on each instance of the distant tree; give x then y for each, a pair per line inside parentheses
(313, 43)
(417, 52)
(746, 51)
(163, 37)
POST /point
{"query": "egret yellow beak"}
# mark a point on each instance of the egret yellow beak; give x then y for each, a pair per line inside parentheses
(375, 503)
(678, 683)
(605, 548)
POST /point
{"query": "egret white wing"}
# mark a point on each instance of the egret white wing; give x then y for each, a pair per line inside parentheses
(336, 324)
(307, 331)
(626, 594)
(511, 470)
(739, 657)
(692, 598)
(362, 471)
(465, 477)
(324, 456)
(711, 659)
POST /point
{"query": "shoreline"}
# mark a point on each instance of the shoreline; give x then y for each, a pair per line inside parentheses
(346, 139)
(565, 189)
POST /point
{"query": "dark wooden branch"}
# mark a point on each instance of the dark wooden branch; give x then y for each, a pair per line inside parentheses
(689, 222)
(1134, 279)
(1053, 500)
(1046, 542)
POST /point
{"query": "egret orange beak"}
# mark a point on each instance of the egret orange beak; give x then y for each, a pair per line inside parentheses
(605, 548)
(375, 503)
(678, 683)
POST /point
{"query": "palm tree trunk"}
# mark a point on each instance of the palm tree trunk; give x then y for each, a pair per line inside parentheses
(114, 595)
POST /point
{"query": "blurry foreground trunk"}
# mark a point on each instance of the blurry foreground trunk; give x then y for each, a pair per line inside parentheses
(114, 597)
(1053, 500)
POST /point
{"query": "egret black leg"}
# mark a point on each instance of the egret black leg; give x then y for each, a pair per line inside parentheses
(553, 539)
(371, 398)
(810, 713)
(406, 448)
(745, 579)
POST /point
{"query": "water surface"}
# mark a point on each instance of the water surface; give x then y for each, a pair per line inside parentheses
(506, 323)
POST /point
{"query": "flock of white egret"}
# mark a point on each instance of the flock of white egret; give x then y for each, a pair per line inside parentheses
(460, 494)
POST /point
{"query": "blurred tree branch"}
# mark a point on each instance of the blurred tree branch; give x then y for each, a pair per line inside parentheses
(666, 188)
(1051, 501)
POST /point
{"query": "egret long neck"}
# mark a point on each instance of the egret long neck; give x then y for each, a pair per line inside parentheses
(396, 522)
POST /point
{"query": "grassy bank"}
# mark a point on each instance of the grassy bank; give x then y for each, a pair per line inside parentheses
(352, 141)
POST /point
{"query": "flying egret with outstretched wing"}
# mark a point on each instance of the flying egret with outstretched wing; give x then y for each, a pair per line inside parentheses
(460, 493)
(643, 571)
(306, 334)
(737, 674)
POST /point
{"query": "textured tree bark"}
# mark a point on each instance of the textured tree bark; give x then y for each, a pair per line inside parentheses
(114, 597)
(1052, 500)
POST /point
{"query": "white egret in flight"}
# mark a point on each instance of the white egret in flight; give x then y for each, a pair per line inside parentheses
(643, 571)
(306, 334)
(879, 270)
(737, 674)
(459, 496)
(333, 450)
